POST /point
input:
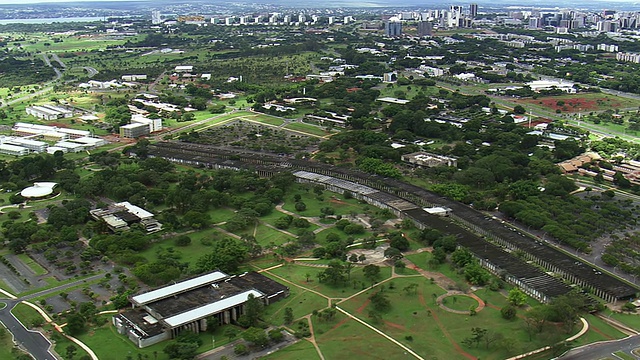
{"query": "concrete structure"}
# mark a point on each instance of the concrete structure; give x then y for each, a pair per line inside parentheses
(426, 159)
(13, 150)
(39, 190)
(133, 77)
(539, 85)
(48, 112)
(164, 313)
(184, 68)
(33, 145)
(90, 142)
(70, 146)
(393, 28)
(134, 130)
(120, 216)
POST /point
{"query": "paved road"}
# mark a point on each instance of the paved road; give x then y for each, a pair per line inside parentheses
(603, 350)
(227, 350)
(32, 341)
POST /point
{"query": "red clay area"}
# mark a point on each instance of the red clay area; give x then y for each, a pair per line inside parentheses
(575, 104)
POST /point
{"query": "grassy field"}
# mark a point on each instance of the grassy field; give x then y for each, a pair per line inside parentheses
(314, 203)
(303, 349)
(308, 129)
(298, 275)
(302, 302)
(344, 338)
(266, 119)
(459, 302)
(27, 315)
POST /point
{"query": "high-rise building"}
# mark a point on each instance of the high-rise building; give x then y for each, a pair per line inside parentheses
(425, 28)
(393, 28)
(534, 23)
(156, 17)
(473, 10)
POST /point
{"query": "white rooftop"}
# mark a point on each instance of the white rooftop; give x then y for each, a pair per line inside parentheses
(136, 210)
(210, 309)
(38, 189)
(180, 287)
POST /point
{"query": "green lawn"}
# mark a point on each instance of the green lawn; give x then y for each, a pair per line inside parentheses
(459, 302)
(221, 215)
(267, 236)
(302, 350)
(266, 119)
(314, 202)
(27, 315)
(301, 302)
(308, 129)
(27, 260)
(344, 338)
(298, 275)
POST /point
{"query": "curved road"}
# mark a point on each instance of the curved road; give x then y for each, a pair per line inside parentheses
(604, 350)
(32, 341)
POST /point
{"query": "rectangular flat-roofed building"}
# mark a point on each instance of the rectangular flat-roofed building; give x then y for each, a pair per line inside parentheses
(164, 313)
(134, 130)
(13, 150)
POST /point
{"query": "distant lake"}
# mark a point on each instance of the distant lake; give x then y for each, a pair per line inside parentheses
(50, 20)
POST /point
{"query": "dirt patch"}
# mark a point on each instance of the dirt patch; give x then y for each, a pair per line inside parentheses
(363, 306)
(395, 326)
(574, 104)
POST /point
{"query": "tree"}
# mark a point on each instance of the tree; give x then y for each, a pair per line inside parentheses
(288, 315)
(75, 324)
(181, 350)
(212, 324)
(256, 336)
(519, 109)
(380, 301)
(300, 206)
(71, 351)
(241, 349)
(371, 272)
(517, 297)
(253, 310)
(334, 273)
(411, 289)
(508, 312)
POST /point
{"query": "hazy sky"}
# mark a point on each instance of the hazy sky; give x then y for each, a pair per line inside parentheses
(543, 3)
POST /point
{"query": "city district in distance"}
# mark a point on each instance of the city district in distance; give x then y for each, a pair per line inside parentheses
(289, 182)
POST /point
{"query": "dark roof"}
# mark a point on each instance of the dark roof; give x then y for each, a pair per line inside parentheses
(259, 282)
(572, 266)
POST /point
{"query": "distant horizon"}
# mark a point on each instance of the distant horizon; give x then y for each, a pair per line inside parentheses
(596, 4)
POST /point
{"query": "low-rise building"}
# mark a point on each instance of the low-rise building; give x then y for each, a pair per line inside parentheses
(33, 145)
(8, 149)
(164, 313)
(49, 112)
(426, 159)
(120, 216)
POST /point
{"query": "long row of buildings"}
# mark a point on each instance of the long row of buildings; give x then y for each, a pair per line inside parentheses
(542, 271)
